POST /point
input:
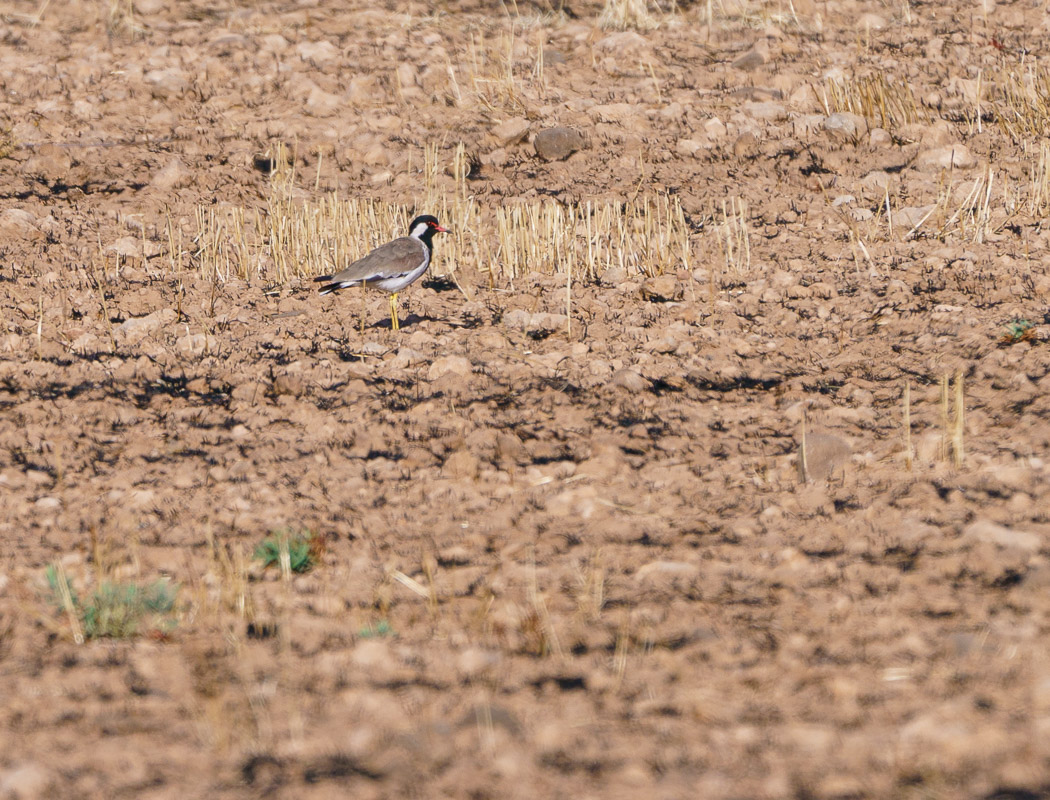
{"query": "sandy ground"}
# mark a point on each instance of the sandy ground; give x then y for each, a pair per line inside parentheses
(683, 549)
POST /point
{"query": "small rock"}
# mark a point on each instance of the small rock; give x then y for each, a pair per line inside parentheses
(407, 357)
(845, 126)
(462, 464)
(173, 175)
(910, 216)
(18, 223)
(49, 163)
(85, 343)
(661, 289)
(753, 58)
(456, 365)
(767, 110)
(362, 90)
(509, 448)
(556, 144)
(511, 131)
(25, 782)
(629, 379)
(956, 155)
(407, 75)
(289, 383)
(746, 145)
(538, 325)
(134, 329)
(193, 344)
(166, 83)
(824, 453)
(613, 112)
(879, 137)
(715, 128)
(676, 568)
(126, 247)
(621, 43)
(871, 22)
(688, 147)
(317, 53)
(986, 531)
(613, 276)
(320, 103)
(474, 661)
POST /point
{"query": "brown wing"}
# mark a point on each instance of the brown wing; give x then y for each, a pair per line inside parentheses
(393, 258)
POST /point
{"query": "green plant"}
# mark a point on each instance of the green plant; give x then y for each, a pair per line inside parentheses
(116, 610)
(1018, 330)
(379, 629)
(302, 550)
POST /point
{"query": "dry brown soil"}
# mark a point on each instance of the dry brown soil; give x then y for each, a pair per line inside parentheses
(555, 564)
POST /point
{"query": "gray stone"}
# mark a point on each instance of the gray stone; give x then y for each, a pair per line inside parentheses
(846, 126)
(955, 155)
(557, 144)
(511, 131)
(986, 531)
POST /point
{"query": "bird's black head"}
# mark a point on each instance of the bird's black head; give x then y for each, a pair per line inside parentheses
(424, 227)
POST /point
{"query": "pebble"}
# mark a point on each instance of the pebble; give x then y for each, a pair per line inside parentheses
(958, 156)
(173, 175)
(193, 344)
(629, 379)
(166, 83)
(621, 43)
(746, 145)
(320, 103)
(511, 131)
(317, 53)
(986, 531)
(456, 365)
(767, 110)
(871, 22)
(845, 126)
(18, 223)
(753, 58)
(49, 163)
(137, 328)
(910, 216)
(661, 289)
(825, 452)
(557, 144)
(25, 782)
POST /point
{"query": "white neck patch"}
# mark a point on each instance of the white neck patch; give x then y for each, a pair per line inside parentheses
(418, 231)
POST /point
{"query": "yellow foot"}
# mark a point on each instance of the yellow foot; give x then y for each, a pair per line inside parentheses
(394, 322)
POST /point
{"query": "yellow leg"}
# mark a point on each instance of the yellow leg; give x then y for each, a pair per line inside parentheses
(394, 323)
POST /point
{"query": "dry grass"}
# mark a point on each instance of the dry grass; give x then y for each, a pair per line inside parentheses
(1021, 103)
(621, 15)
(297, 239)
(734, 238)
(1038, 199)
(953, 419)
(751, 14)
(889, 104)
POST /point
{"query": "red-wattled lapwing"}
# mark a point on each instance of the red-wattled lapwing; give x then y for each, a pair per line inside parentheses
(391, 266)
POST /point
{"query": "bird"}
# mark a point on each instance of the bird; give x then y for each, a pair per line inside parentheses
(391, 266)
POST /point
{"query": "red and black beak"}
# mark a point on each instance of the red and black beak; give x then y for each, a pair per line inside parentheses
(438, 229)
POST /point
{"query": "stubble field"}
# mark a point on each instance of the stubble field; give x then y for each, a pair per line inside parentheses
(710, 459)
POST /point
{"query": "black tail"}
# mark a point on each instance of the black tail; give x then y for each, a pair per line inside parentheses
(329, 287)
